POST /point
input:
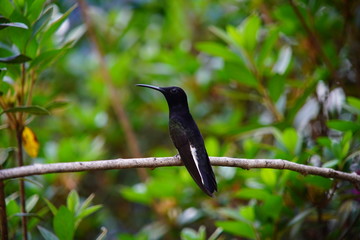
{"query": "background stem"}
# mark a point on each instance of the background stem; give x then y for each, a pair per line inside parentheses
(22, 184)
(3, 215)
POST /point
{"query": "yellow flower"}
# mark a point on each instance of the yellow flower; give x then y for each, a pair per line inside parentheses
(30, 142)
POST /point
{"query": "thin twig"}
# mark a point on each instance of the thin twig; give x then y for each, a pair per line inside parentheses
(314, 39)
(19, 130)
(266, 100)
(22, 91)
(269, 103)
(3, 215)
(31, 86)
(154, 162)
(22, 184)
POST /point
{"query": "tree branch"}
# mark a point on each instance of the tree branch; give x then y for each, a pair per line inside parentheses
(154, 162)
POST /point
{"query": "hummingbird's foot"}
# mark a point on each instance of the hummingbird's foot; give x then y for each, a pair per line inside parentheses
(177, 156)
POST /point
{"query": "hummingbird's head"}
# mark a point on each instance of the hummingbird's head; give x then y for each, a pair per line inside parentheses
(175, 96)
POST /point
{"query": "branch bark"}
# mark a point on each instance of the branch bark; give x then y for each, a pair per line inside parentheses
(154, 162)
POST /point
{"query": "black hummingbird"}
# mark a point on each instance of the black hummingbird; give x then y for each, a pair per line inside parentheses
(187, 138)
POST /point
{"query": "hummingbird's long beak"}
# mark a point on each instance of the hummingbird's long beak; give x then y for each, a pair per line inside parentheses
(151, 86)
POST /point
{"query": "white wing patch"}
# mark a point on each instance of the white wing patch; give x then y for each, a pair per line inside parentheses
(194, 155)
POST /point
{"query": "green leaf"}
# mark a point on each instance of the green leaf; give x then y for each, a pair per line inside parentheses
(33, 181)
(74, 36)
(20, 4)
(56, 105)
(248, 193)
(318, 181)
(42, 21)
(64, 224)
(347, 137)
(32, 48)
(240, 73)
(31, 202)
(12, 207)
(4, 154)
(235, 36)
(276, 87)
(86, 212)
(331, 164)
(35, 9)
(248, 213)
(231, 213)
(221, 34)
(19, 36)
(47, 235)
(136, 195)
(267, 47)
(268, 176)
(46, 58)
(346, 143)
(51, 206)
(272, 206)
(49, 32)
(36, 110)
(13, 24)
(336, 148)
(190, 234)
(238, 228)
(245, 36)
(324, 141)
(212, 146)
(6, 8)
(290, 139)
(202, 233)
(251, 148)
(15, 59)
(73, 201)
(354, 102)
(249, 29)
(301, 100)
(218, 50)
(342, 125)
(2, 73)
(345, 149)
(301, 216)
(127, 236)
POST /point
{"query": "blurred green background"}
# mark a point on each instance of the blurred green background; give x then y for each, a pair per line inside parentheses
(264, 79)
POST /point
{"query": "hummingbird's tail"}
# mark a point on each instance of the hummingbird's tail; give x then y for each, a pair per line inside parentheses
(198, 165)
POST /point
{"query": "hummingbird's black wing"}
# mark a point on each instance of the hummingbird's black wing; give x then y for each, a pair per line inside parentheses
(190, 145)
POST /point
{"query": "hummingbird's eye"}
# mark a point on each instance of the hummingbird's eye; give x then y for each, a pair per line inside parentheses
(173, 90)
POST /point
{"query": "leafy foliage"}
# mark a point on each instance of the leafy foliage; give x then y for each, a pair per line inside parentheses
(264, 80)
